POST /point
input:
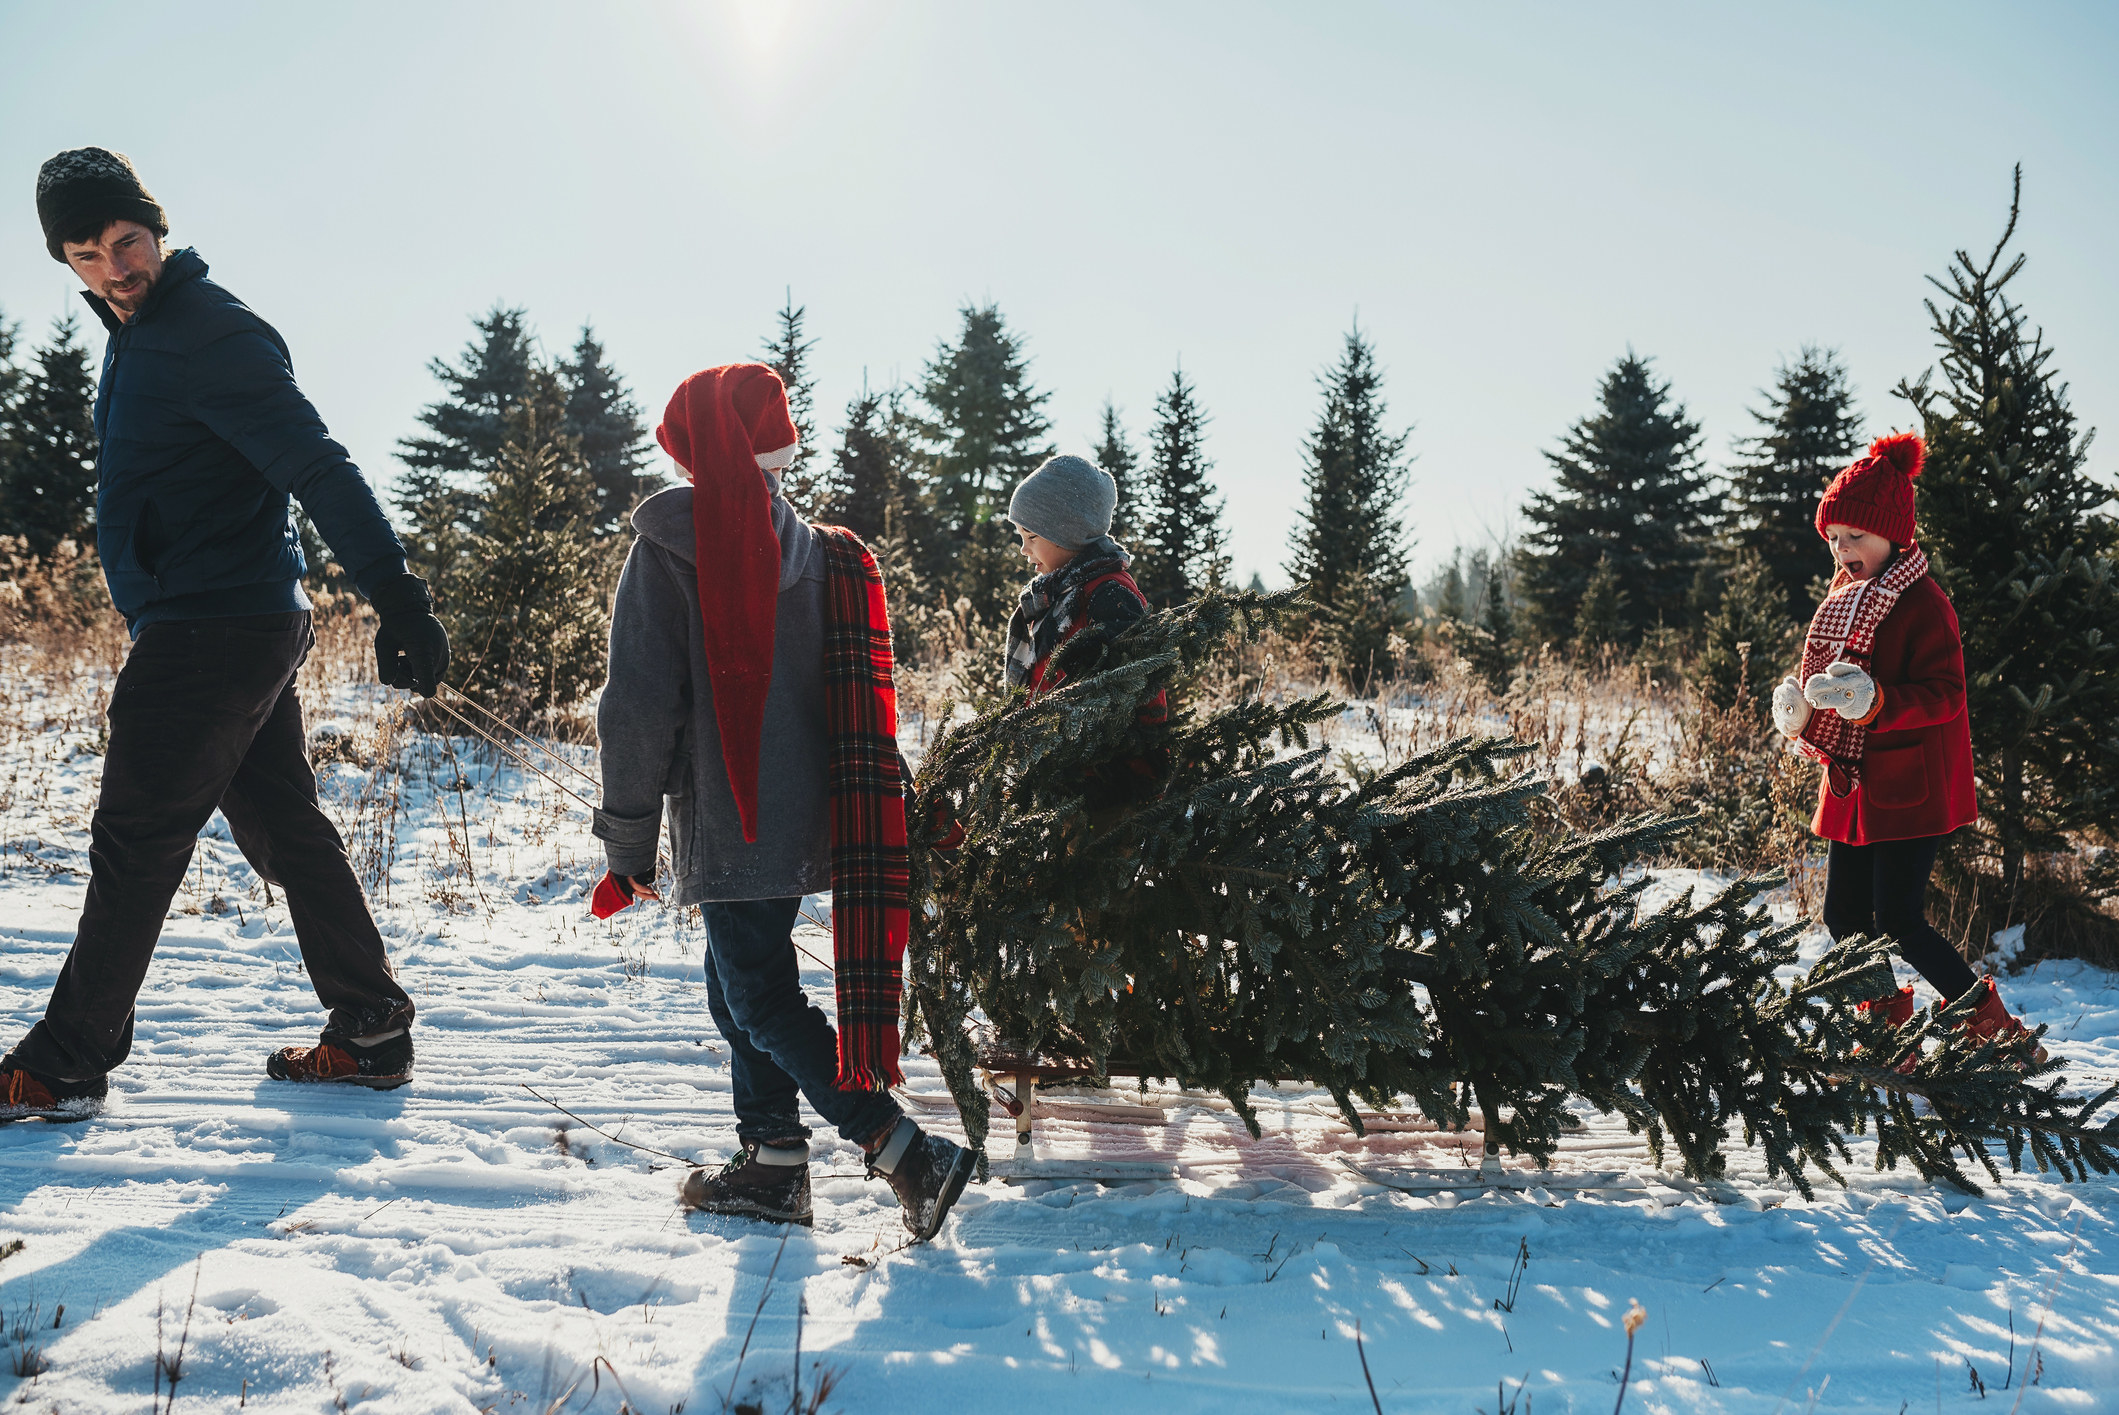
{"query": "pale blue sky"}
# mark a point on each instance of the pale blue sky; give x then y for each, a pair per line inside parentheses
(1508, 195)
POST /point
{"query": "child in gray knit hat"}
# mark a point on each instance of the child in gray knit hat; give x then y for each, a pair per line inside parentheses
(1062, 514)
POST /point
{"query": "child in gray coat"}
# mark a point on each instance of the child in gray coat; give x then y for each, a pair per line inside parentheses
(719, 706)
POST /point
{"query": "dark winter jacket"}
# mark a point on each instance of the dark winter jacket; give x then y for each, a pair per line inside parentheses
(1916, 767)
(659, 738)
(1113, 605)
(204, 436)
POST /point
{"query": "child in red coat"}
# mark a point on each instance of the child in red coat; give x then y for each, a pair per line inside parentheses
(1880, 704)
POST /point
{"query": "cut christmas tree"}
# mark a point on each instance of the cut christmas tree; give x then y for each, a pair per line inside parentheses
(1403, 936)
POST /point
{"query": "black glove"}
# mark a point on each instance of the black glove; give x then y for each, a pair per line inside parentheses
(411, 647)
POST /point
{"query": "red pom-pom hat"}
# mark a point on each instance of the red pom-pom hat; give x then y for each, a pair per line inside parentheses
(1876, 493)
(722, 425)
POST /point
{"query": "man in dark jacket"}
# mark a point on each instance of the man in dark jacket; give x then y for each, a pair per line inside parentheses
(203, 439)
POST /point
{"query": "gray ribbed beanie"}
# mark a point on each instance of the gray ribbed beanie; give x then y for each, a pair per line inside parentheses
(1068, 501)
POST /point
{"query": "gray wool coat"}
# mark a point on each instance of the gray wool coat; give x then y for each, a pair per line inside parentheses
(660, 742)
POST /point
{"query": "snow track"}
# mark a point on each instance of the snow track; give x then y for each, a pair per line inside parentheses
(458, 1245)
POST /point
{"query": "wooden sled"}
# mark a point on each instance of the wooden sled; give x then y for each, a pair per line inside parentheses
(1025, 1086)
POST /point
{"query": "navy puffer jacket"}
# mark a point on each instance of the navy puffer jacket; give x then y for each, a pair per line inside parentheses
(204, 437)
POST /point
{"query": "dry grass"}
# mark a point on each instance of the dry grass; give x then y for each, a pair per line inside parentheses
(1614, 736)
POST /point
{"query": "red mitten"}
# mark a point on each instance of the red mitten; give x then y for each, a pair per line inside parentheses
(613, 892)
(952, 830)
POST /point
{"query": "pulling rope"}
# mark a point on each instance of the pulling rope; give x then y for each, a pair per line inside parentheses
(526, 764)
(470, 702)
(520, 760)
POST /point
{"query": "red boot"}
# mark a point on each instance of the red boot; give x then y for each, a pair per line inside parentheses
(1896, 1007)
(1993, 1021)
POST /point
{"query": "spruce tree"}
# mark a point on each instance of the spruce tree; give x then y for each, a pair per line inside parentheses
(982, 429)
(1116, 456)
(2018, 534)
(1496, 615)
(1749, 641)
(1180, 551)
(1350, 550)
(1449, 599)
(1631, 492)
(48, 445)
(528, 610)
(1408, 935)
(12, 378)
(1808, 431)
(1353, 482)
(788, 353)
(466, 429)
(864, 489)
(1601, 613)
(602, 416)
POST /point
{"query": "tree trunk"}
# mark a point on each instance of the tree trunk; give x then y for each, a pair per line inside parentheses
(2012, 830)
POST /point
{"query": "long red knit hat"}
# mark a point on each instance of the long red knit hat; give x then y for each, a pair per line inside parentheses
(718, 424)
(1876, 493)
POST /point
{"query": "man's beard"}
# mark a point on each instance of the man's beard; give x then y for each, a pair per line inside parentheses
(132, 297)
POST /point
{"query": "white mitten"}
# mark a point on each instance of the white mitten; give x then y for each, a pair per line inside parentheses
(1844, 688)
(1790, 713)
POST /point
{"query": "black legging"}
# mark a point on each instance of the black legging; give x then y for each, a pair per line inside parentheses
(1882, 889)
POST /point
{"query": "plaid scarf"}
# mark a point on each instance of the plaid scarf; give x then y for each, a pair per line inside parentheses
(1052, 605)
(870, 876)
(1845, 628)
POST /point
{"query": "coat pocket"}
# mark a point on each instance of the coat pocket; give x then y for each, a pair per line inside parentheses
(1896, 777)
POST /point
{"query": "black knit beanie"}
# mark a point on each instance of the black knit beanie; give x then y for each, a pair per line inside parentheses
(91, 186)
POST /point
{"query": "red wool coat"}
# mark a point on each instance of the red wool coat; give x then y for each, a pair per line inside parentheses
(1916, 769)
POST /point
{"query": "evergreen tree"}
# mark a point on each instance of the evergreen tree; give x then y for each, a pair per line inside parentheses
(1180, 555)
(982, 431)
(528, 611)
(1350, 549)
(1631, 492)
(1116, 456)
(865, 488)
(788, 353)
(602, 416)
(1449, 600)
(2018, 535)
(467, 428)
(48, 444)
(1496, 615)
(1404, 935)
(1808, 431)
(1600, 615)
(1749, 641)
(12, 378)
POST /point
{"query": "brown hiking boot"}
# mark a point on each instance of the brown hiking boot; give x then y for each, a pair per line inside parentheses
(926, 1172)
(382, 1064)
(769, 1182)
(24, 1096)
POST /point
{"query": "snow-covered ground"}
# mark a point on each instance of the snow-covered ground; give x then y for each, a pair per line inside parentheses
(461, 1245)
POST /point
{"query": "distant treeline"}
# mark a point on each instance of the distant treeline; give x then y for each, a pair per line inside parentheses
(513, 501)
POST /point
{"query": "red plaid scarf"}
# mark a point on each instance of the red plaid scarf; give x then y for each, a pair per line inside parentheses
(870, 877)
(1845, 628)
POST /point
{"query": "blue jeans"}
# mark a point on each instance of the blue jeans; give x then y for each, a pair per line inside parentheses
(780, 1045)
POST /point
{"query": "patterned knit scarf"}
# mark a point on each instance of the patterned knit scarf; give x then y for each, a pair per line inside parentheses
(870, 877)
(1845, 628)
(1052, 605)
